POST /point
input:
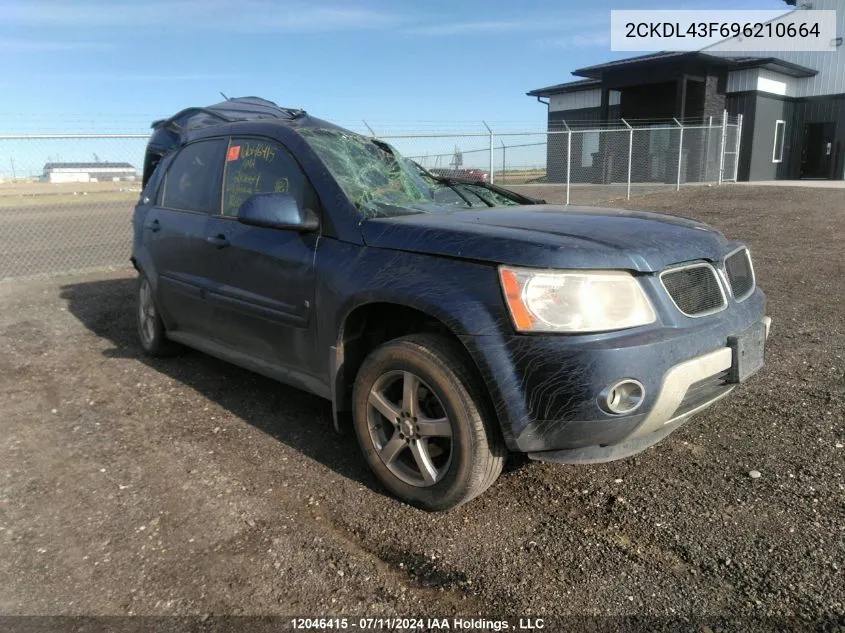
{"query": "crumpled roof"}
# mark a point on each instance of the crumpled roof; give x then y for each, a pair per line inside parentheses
(237, 109)
(170, 133)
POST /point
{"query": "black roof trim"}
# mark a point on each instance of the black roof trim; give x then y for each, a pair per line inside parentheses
(732, 63)
(595, 72)
(572, 86)
(775, 64)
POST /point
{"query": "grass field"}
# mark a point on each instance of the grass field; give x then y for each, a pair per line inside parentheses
(18, 195)
(65, 199)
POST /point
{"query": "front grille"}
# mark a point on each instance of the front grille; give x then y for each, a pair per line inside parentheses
(695, 289)
(740, 274)
(703, 392)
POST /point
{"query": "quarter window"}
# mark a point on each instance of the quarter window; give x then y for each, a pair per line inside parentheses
(780, 130)
(255, 165)
(193, 180)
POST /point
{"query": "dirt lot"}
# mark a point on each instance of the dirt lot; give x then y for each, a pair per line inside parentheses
(186, 486)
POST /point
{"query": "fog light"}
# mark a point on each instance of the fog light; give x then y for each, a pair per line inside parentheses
(624, 396)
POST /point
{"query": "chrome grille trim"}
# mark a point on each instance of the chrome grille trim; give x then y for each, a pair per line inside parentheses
(729, 283)
(716, 279)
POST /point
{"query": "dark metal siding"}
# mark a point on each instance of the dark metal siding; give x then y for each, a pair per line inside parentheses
(556, 148)
(557, 117)
(820, 110)
(761, 110)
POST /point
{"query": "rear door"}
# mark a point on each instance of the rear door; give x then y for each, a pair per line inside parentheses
(264, 302)
(176, 229)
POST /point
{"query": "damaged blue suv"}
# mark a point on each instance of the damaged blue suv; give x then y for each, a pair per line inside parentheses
(451, 320)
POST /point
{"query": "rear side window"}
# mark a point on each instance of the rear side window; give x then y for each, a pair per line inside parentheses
(193, 180)
(154, 186)
(255, 165)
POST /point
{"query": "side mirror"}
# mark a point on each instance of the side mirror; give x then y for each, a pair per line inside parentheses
(277, 211)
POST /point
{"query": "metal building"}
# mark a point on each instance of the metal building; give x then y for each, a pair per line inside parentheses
(88, 172)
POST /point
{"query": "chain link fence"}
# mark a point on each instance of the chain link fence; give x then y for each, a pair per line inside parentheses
(586, 163)
(66, 200)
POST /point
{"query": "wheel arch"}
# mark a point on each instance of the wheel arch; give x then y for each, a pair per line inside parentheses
(368, 325)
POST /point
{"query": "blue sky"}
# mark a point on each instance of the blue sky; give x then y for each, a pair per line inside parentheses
(112, 65)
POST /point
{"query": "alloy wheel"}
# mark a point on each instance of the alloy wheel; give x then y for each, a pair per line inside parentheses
(409, 428)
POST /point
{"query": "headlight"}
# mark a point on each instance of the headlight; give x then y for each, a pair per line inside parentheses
(574, 301)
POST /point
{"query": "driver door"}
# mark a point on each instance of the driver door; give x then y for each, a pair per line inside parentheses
(263, 302)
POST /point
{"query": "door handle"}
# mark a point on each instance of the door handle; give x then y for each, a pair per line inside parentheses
(219, 240)
(153, 226)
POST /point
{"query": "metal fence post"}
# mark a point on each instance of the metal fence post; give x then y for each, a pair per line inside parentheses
(680, 152)
(504, 160)
(568, 158)
(491, 150)
(722, 145)
(707, 148)
(630, 154)
(738, 145)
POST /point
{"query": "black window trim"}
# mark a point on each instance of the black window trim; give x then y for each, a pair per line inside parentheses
(163, 185)
(260, 137)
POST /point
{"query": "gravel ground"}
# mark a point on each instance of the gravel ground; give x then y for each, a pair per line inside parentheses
(189, 487)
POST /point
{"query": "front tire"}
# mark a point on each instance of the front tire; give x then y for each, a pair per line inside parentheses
(151, 332)
(423, 424)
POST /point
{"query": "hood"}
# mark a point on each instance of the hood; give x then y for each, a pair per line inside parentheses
(549, 236)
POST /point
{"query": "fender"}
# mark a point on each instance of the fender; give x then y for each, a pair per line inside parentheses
(466, 305)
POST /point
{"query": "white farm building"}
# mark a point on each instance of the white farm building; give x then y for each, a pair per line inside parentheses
(88, 172)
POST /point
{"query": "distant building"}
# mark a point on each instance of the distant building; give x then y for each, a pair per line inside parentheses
(88, 172)
(792, 103)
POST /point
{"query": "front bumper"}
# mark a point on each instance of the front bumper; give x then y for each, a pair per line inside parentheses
(546, 388)
(688, 388)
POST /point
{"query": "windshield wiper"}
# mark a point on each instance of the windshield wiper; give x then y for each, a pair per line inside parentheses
(451, 184)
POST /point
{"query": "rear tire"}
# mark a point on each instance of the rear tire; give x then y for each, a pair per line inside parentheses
(151, 332)
(423, 423)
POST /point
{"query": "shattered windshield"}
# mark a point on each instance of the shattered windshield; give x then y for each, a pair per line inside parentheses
(380, 182)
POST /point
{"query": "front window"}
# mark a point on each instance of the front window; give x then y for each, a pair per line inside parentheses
(380, 182)
(256, 165)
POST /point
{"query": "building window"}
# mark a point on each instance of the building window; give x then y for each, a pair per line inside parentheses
(780, 130)
(589, 146)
